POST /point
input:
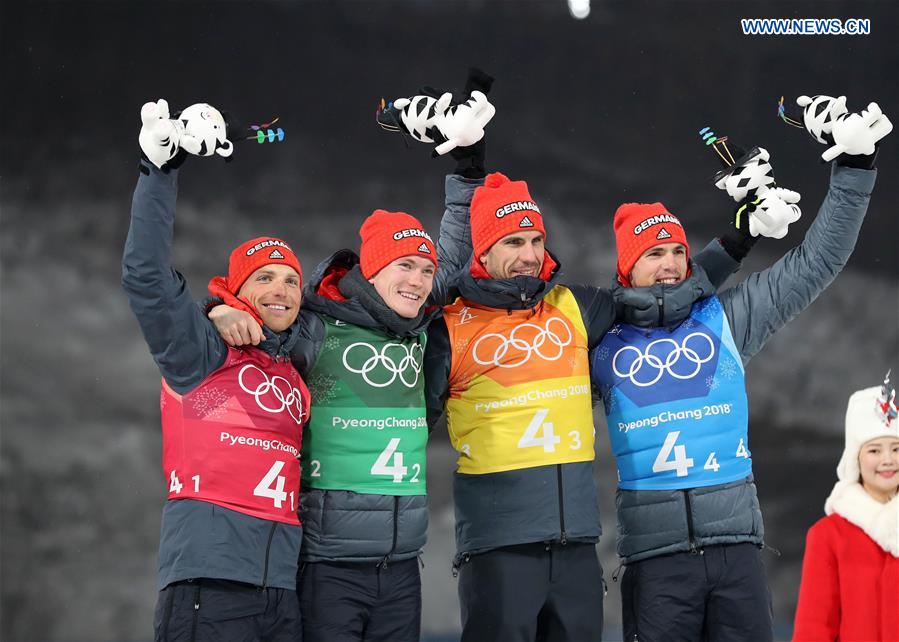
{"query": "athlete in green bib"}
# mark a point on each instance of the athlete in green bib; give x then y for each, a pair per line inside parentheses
(363, 504)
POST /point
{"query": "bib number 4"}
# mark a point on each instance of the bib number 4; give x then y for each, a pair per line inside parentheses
(680, 463)
(383, 467)
(272, 486)
(547, 439)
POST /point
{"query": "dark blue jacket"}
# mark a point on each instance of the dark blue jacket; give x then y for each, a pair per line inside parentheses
(198, 539)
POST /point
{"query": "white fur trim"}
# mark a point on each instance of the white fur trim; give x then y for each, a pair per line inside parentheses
(879, 521)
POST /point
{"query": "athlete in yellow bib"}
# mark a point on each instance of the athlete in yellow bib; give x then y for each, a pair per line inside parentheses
(508, 363)
(520, 385)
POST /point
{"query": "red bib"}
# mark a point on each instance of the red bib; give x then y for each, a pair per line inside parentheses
(234, 440)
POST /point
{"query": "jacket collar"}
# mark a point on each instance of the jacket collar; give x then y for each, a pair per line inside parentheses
(879, 521)
(518, 293)
(338, 289)
(661, 305)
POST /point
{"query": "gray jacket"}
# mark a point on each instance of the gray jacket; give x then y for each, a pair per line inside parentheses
(555, 503)
(198, 539)
(652, 523)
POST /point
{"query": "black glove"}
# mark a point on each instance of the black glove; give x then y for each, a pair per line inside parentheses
(471, 161)
(737, 240)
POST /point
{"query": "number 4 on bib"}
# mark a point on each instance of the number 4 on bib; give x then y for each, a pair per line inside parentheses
(681, 464)
(380, 467)
(549, 439)
(272, 485)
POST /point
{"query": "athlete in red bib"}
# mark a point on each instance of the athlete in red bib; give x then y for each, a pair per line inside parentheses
(231, 424)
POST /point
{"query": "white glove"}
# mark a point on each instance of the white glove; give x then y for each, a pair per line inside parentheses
(774, 213)
(463, 125)
(159, 137)
(856, 134)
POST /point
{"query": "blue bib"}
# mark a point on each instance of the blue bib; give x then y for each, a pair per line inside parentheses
(675, 402)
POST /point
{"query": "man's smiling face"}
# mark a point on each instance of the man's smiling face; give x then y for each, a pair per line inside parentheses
(518, 254)
(274, 290)
(665, 263)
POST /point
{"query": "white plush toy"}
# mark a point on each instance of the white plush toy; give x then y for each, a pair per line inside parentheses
(774, 212)
(750, 180)
(829, 122)
(200, 130)
(429, 120)
(819, 113)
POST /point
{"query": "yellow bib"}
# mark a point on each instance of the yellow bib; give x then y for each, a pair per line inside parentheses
(519, 385)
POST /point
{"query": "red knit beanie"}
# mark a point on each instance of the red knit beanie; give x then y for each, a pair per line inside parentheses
(253, 254)
(388, 236)
(640, 226)
(501, 207)
(245, 259)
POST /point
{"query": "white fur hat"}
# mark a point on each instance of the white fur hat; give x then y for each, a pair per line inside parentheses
(871, 414)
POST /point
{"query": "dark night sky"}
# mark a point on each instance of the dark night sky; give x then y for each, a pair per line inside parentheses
(592, 113)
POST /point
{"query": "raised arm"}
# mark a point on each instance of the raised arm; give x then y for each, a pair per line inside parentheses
(763, 303)
(182, 341)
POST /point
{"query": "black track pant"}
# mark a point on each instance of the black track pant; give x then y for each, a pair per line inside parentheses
(532, 592)
(355, 602)
(206, 610)
(719, 595)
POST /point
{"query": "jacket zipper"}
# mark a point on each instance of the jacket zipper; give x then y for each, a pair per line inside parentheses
(268, 548)
(661, 303)
(693, 548)
(564, 538)
(193, 628)
(396, 512)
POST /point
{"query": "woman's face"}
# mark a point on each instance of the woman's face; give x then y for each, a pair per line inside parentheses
(879, 465)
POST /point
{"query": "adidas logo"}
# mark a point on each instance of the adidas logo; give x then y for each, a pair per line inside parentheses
(424, 248)
(526, 222)
(276, 254)
(663, 234)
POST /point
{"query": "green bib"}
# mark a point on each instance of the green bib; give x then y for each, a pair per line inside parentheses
(368, 429)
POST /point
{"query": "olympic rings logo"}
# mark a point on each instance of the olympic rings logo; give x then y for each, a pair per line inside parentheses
(650, 360)
(281, 390)
(406, 365)
(547, 344)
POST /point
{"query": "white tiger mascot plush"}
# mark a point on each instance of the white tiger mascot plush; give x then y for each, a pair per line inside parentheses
(750, 182)
(434, 120)
(828, 121)
(200, 130)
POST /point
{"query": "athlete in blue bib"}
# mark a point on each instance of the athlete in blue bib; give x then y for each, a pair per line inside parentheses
(671, 376)
(675, 402)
